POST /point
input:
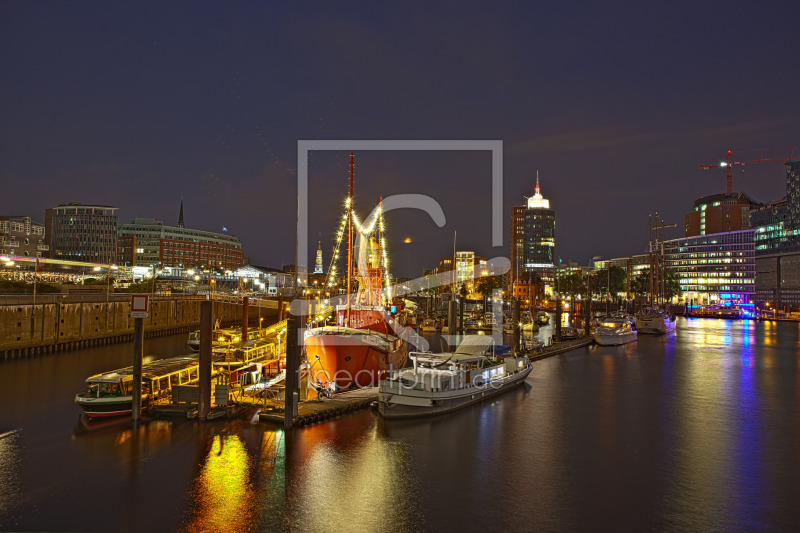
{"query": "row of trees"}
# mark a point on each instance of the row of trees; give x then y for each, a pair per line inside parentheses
(600, 283)
(614, 281)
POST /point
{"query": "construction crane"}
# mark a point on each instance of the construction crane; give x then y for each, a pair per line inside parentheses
(761, 159)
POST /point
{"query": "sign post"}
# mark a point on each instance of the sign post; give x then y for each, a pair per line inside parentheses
(139, 309)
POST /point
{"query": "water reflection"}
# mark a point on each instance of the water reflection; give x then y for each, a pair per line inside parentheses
(222, 495)
(347, 478)
(694, 431)
(10, 465)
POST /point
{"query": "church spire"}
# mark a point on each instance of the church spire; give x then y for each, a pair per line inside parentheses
(318, 266)
(180, 216)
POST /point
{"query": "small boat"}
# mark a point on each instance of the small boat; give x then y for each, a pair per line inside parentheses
(569, 333)
(655, 323)
(613, 331)
(219, 338)
(440, 383)
(532, 345)
(111, 393)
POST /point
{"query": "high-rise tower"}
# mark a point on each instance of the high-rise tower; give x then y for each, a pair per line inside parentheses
(533, 237)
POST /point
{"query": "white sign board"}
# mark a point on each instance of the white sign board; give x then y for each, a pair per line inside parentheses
(140, 304)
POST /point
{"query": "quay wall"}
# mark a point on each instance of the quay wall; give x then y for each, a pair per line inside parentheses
(28, 329)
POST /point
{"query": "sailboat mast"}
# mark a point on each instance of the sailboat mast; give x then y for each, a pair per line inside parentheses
(350, 239)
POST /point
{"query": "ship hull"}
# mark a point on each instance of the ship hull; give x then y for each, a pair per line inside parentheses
(108, 407)
(614, 340)
(353, 357)
(415, 404)
(655, 326)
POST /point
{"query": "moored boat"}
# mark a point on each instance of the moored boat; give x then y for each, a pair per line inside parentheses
(655, 323)
(440, 383)
(366, 340)
(613, 331)
(111, 393)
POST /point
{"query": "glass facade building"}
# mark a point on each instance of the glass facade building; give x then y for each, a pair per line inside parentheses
(717, 268)
(539, 238)
(777, 245)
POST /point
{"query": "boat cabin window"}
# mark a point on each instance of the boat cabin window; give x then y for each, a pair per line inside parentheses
(105, 389)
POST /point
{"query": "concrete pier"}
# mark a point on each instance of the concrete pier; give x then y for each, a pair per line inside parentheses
(27, 330)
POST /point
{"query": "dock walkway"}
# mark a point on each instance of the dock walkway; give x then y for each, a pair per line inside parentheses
(561, 347)
(313, 411)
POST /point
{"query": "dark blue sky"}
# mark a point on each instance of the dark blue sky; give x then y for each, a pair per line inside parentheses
(616, 103)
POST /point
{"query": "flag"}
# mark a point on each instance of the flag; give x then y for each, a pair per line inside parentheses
(38, 265)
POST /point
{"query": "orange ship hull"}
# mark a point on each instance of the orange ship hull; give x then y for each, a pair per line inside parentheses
(350, 356)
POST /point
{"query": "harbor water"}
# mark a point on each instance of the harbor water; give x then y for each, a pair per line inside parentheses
(694, 431)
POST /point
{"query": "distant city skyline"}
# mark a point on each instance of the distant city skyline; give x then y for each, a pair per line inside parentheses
(138, 106)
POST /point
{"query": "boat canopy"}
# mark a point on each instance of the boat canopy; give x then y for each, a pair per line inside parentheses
(155, 369)
(475, 345)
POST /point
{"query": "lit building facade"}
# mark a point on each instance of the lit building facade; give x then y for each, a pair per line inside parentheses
(718, 268)
(467, 266)
(85, 233)
(777, 245)
(719, 213)
(517, 251)
(22, 237)
(533, 240)
(148, 242)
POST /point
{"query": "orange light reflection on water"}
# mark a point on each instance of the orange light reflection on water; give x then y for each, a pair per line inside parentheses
(223, 499)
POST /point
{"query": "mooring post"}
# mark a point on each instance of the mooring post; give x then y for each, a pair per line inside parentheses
(138, 354)
(280, 307)
(515, 317)
(451, 317)
(461, 315)
(588, 325)
(558, 318)
(245, 317)
(204, 372)
(292, 362)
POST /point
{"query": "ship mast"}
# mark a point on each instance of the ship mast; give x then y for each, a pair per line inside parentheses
(350, 239)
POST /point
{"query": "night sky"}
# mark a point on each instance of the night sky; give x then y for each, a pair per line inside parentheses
(136, 105)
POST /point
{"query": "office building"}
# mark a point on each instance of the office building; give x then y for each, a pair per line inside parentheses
(86, 233)
(533, 228)
(21, 236)
(148, 242)
(719, 213)
(777, 245)
(714, 269)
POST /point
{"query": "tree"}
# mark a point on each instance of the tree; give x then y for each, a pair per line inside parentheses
(640, 285)
(487, 284)
(672, 286)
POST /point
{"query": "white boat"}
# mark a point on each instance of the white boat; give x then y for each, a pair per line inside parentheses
(612, 331)
(439, 383)
(655, 323)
